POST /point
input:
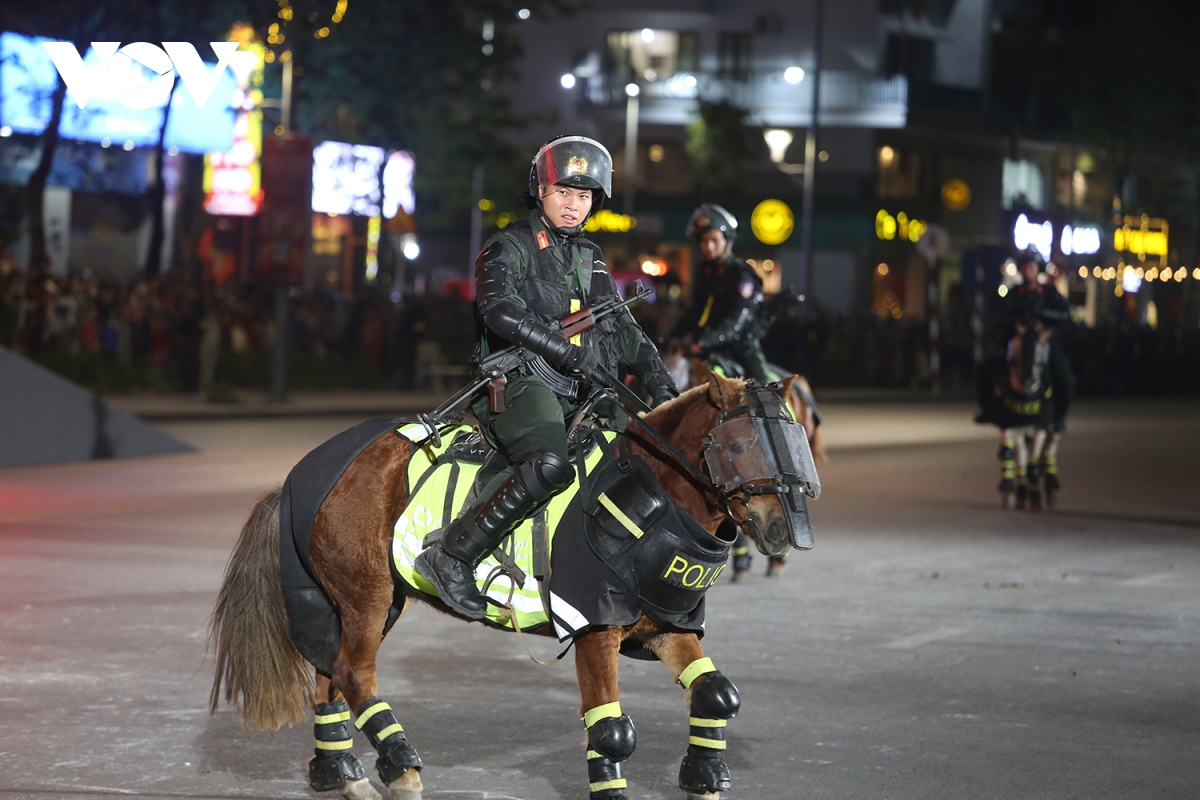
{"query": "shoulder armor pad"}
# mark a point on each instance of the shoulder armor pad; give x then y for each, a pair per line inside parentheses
(493, 251)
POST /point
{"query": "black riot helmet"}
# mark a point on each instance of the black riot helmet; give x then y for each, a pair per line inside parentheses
(712, 217)
(575, 161)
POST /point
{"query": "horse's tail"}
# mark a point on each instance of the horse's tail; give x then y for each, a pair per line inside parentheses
(263, 673)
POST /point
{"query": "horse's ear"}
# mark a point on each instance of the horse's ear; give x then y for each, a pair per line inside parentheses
(718, 389)
(785, 390)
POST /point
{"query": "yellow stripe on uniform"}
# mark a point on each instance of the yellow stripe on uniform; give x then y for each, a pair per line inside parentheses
(613, 509)
(694, 670)
(705, 722)
(616, 783)
(577, 339)
(711, 744)
(370, 712)
(707, 310)
(325, 719)
(344, 744)
(598, 713)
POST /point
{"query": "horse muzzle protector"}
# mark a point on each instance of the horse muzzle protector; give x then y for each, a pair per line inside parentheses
(744, 453)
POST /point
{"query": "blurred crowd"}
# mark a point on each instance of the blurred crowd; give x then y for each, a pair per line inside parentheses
(169, 334)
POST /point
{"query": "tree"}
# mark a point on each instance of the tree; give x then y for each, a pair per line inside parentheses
(719, 146)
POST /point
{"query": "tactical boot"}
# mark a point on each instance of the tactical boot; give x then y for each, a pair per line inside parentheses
(450, 566)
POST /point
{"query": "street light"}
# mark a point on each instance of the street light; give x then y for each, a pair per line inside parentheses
(793, 75)
(567, 81)
(778, 140)
(632, 90)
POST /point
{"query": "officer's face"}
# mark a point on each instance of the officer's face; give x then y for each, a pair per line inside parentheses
(564, 206)
(1029, 272)
(712, 245)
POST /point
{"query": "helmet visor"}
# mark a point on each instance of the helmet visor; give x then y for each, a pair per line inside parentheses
(575, 161)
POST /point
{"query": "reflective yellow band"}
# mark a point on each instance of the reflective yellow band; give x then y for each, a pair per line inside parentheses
(705, 722)
(620, 515)
(344, 744)
(694, 670)
(741, 551)
(707, 310)
(325, 719)
(598, 713)
(711, 744)
(616, 783)
(593, 754)
(370, 712)
(389, 730)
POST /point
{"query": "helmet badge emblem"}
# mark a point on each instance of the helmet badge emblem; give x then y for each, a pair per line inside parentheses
(577, 165)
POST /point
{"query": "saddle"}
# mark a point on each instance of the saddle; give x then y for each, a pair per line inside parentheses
(609, 550)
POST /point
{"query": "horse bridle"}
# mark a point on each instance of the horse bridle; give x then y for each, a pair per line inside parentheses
(762, 406)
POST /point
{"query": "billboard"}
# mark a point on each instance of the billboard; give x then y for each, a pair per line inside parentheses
(362, 180)
(28, 78)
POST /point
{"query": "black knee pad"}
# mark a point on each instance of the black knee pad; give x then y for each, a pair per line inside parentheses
(715, 697)
(613, 738)
(545, 474)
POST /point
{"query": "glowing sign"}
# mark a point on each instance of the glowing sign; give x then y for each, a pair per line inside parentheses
(398, 184)
(772, 221)
(1142, 236)
(233, 180)
(956, 194)
(346, 179)
(1027, 234)
(887, 227)
(609, 222)
(1080, 241)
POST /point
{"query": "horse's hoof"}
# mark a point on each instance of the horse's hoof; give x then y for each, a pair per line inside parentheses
(360, 789)
(706, 796)
(737, 576)
(1049, 499)
(1035, 502)
(1008, 501)
(776, 567)
(407, 787)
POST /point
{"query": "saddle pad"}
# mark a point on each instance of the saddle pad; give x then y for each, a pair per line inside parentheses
(442, 488)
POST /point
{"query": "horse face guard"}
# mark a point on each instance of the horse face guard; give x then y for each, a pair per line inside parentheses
(759, 449)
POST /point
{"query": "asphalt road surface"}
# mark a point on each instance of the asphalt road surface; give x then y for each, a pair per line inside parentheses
(931, 646)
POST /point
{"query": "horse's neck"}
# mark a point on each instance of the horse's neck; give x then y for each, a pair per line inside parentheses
(684, 423)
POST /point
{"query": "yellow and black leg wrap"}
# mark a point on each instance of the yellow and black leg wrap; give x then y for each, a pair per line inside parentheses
(1008, 467)
(1050, 468)
(611, 740)
(741, 552)
(334, 764)
(396, 755)
(714, 701)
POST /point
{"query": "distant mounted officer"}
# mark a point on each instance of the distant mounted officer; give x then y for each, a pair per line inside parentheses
(725, 315)
(528, 277)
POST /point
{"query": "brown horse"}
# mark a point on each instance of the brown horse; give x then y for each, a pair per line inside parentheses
(262, 671)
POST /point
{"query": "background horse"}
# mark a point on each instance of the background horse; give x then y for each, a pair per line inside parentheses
(262, 671)
(689, 371)
(1024, 412)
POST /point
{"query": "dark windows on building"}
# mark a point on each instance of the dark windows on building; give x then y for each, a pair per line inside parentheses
(650, 55)
(733, 55)
(910, 56)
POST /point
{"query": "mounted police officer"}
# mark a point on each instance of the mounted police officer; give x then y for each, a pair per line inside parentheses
(527, 277)
(725, 316)
(1034, 305)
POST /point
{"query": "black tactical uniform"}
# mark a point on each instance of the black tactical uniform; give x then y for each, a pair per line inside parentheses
(528, 277)
(725, 316)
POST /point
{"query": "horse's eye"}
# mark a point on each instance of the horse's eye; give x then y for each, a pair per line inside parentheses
(736, 448)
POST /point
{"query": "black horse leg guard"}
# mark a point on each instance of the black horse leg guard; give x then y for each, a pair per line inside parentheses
(1050, 469)
(1008, 467)
(396, 755)
(611, 740)
(741, 551)
(334, 764)
(714, 701)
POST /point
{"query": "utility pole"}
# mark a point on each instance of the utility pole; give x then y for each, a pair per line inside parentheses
(810, 160)
(279, 362)
(631, 143)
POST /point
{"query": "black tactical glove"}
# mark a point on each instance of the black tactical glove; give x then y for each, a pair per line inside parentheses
(662, 394)
(582, 360)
